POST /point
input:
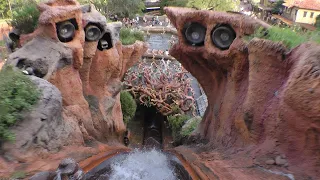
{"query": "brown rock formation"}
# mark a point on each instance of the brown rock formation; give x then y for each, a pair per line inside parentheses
(261, 99)
(87, 74)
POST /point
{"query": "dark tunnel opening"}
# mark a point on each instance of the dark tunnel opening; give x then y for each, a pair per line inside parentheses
(148, 129)
(153, 122)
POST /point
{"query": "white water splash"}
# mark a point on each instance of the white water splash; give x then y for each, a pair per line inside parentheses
(143, 165)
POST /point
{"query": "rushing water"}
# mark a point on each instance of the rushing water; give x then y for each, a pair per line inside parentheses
(148, 164)
(143, 165)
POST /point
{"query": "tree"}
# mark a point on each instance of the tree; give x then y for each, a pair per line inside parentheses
(4, 9)
(162, 84)
(178, 3)
(217, 5)
(125, 8)
(318, 22)
(277, 7)
(101, 5)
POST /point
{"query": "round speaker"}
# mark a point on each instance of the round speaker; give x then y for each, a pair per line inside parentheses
(223, 36)
(66, 31)
(195, 34)
(93, 33)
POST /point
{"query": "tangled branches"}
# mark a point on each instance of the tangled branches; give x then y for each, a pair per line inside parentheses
(163, 84)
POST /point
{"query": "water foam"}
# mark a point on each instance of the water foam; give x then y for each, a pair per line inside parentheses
(143, 165)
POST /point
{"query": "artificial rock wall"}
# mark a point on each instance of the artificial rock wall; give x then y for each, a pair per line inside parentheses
(262, 97)
(80, 79)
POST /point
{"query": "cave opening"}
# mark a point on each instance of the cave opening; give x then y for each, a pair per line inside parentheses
(149, 129)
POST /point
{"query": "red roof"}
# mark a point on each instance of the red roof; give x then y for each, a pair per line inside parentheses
(303, 4)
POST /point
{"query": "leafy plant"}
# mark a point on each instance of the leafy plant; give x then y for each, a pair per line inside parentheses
(129, 36)
(17, 94)
(288, 36)
(18, 175)
(217, 5)
(125, 8)
(190, 126)
(176, 122)
(317, 24)
(25, 18)
(128, 106)
(277, 7)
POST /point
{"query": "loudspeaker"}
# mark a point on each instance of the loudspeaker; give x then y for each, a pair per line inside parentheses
(65, 31)
(195, 34)
(223, 36)
(105, 42)
(93, 33)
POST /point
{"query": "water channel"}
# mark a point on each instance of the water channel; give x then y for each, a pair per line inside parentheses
(146, 161)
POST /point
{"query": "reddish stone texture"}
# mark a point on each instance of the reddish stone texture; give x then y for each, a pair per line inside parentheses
(262, 99)
(89, 82)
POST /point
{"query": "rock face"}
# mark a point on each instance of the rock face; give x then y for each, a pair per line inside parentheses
(261, 98)
(81, 62)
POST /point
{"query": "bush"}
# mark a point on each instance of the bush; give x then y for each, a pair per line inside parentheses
(289, 37)
(176, 122)
(128, 106)
(18, 175)
(17, 94)
(190, 126)
(317, 24)
(129, 36)
(25, 18)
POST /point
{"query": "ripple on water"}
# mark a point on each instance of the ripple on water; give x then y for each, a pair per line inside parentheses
(143, 165)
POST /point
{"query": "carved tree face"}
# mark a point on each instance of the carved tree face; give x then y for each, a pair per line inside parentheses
(217, 36)
(67, 33)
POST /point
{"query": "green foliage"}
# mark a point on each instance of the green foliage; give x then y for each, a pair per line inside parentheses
(277, 7)
(25, 18)
(17, 94)
(18, 175)
(317, 24)
(101, 5)
(125, 8)
(289, 37)
(4, 9)
(176, 122)
(177, 3)
(190, 126)
(2, 43)
(128, 106)
(217, 5)
(129, 36)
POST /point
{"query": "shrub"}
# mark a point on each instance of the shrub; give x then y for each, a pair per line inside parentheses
(18, 175)
(17, 94)
(128, 106)
(317, 24)
(190, 126)
(289, 37)
(25, 18)
(129, 36)
(176, 122)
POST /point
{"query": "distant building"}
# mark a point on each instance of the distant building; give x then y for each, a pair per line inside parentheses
(301, 11)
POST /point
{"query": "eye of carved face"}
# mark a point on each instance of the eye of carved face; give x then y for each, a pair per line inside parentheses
(66, 30)
(223, 36)
(93, 33)
(195, 34)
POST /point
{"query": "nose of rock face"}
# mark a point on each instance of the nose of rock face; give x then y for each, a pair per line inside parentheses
(40, 57)
(37, 67)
